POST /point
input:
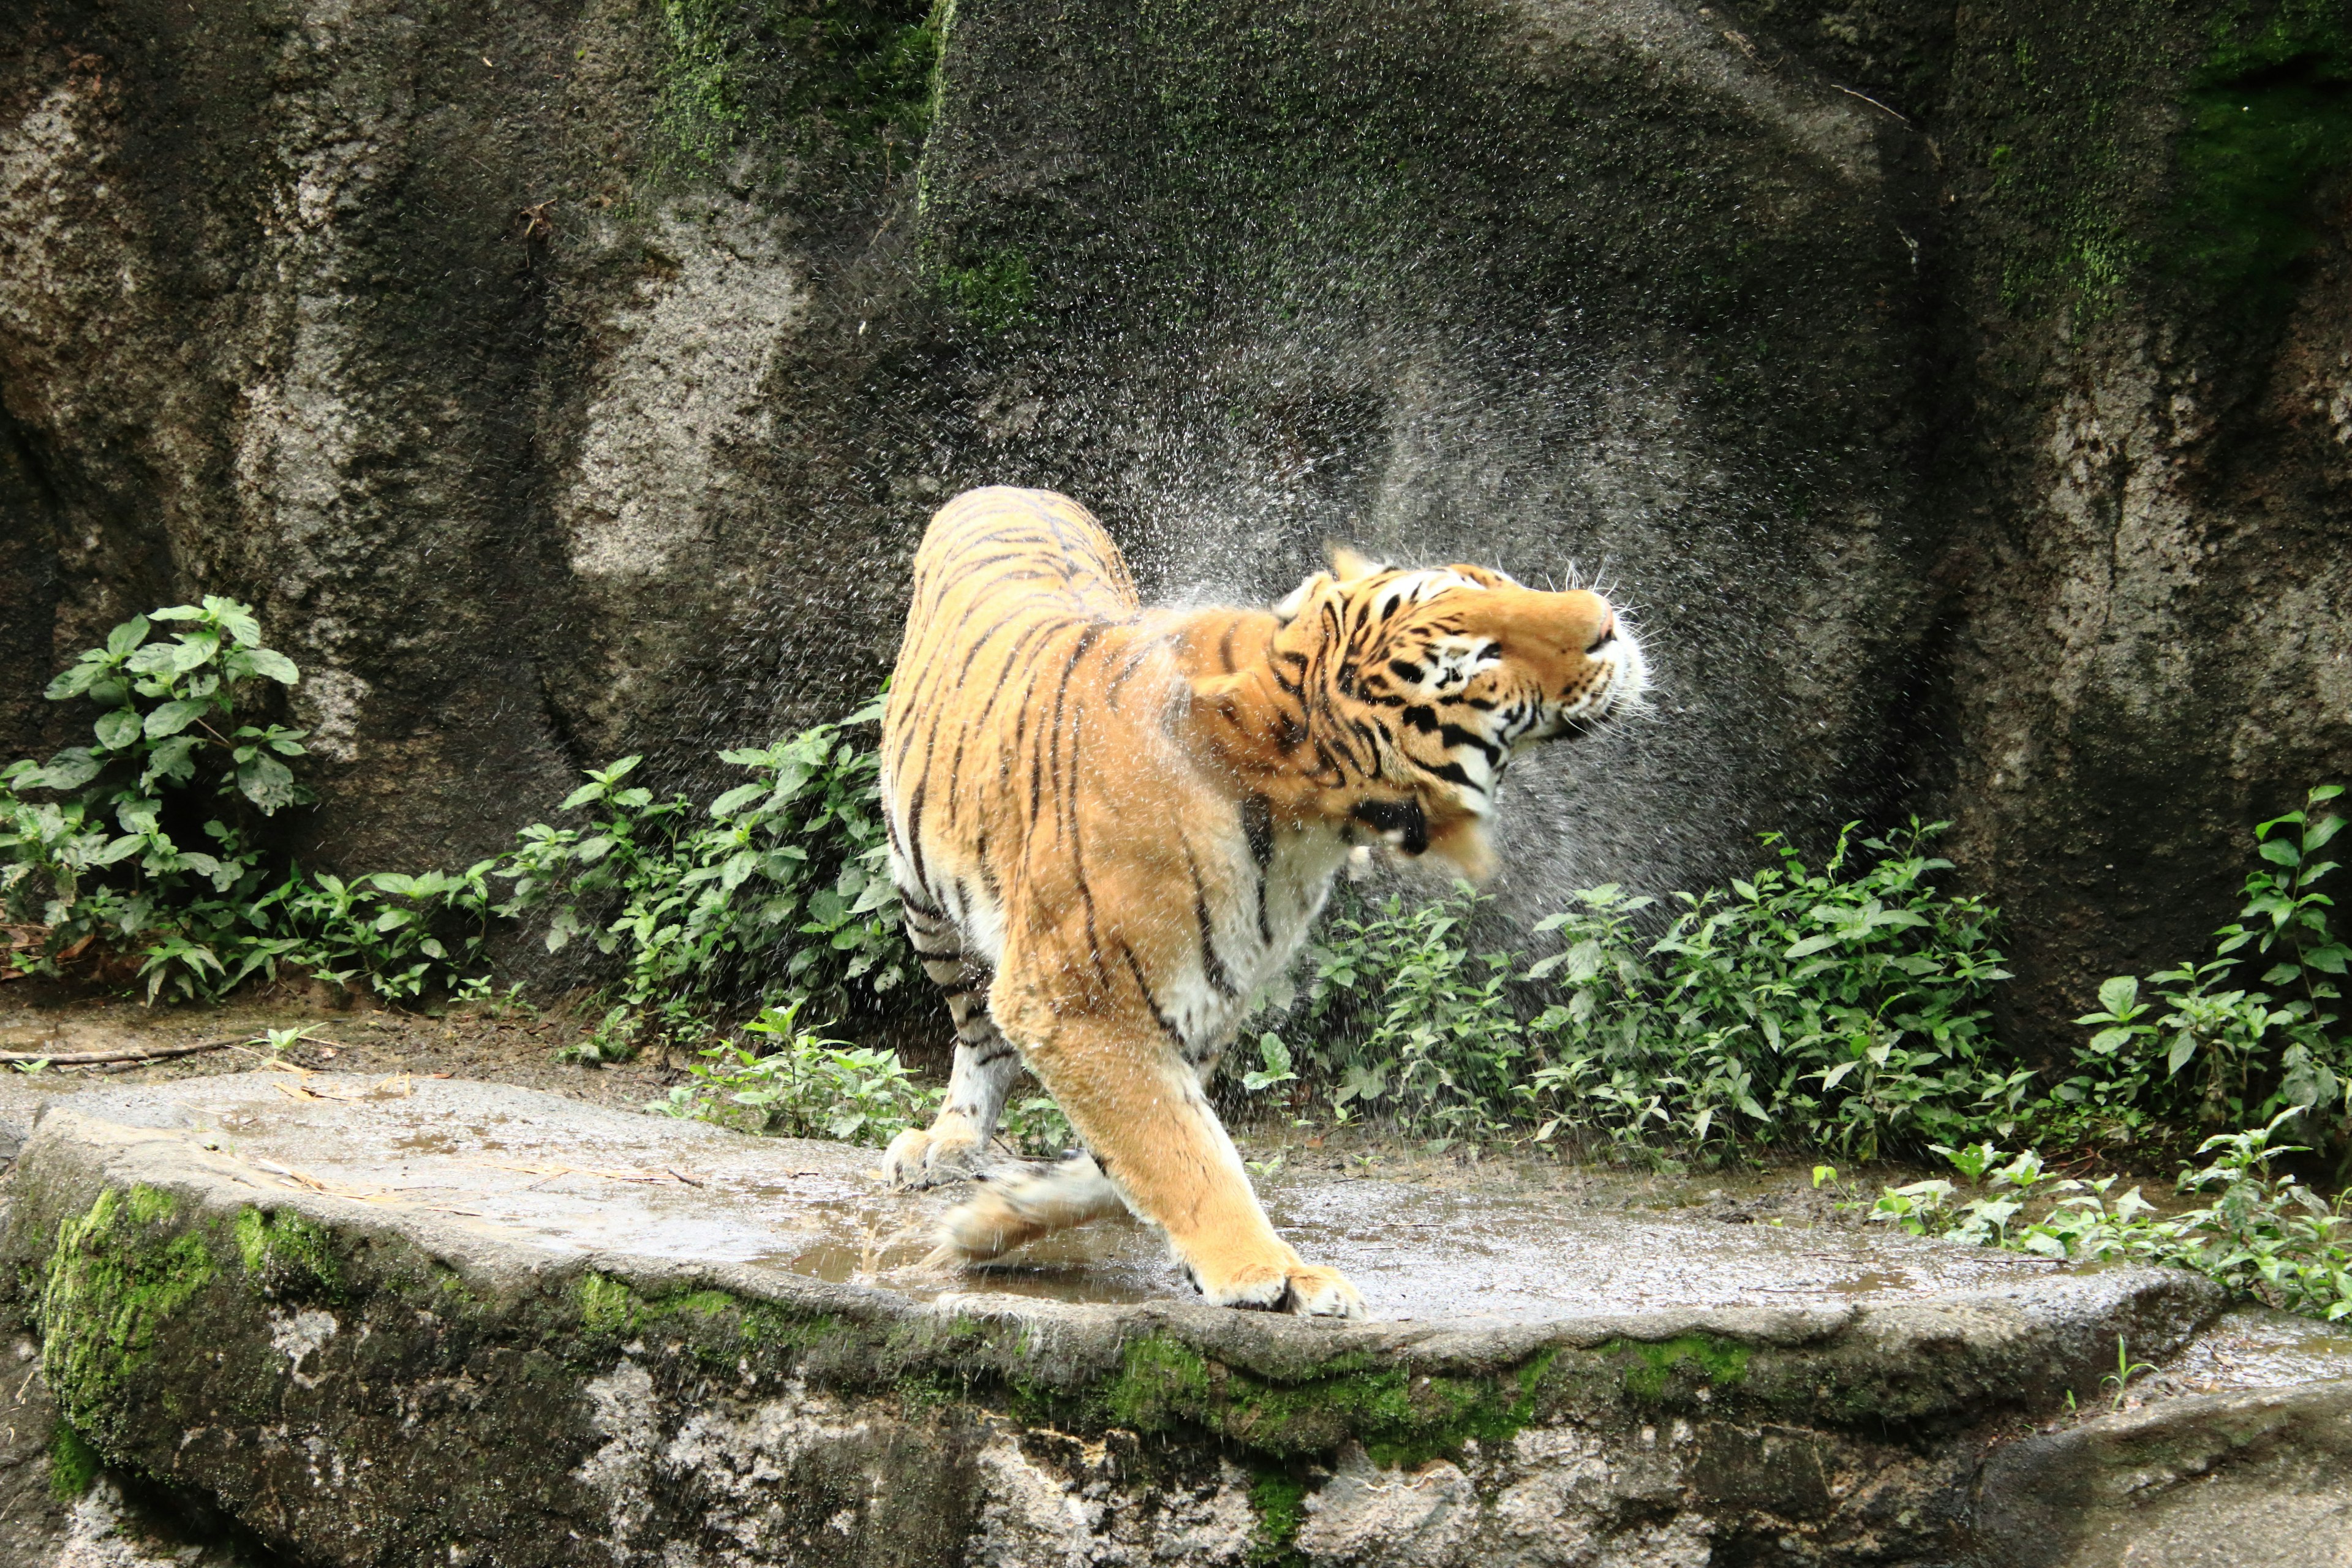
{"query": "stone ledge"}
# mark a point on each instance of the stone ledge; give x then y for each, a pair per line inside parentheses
(364, 1375)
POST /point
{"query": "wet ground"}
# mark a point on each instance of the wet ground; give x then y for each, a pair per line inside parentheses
(1424, 1234)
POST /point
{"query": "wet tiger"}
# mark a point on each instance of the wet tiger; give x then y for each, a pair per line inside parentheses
(1111, 825)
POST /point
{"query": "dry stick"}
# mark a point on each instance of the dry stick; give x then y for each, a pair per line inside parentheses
(100, 1058)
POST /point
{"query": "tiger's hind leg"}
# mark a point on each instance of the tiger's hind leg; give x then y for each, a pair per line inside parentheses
(1012, 1205)
(986, 1065)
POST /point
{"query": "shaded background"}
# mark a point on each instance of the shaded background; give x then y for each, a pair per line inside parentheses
(1961, 396)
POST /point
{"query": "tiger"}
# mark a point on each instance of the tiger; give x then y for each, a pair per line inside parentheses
(1110, 826)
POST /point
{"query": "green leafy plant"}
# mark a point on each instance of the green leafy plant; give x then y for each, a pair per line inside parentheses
(2126, 1369)
(2262, 1235)
(1838, 1006)
(1405, 1022)
(150, 842)
(778, 889)
(796, 1083)
(145, 840)
(2236, 1038)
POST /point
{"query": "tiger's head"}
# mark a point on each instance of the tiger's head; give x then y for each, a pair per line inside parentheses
(1401, 696)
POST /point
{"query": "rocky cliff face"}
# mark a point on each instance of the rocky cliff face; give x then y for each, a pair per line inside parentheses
(1962, 399)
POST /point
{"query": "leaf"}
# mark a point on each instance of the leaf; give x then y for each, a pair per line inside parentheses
(117, 729)
(2118, 995)
(271, 664)
(2317, 836)
(194, 651)
(736, 799)
(122, 848)
(2281, 852)
(70, 769)
(1813, 944)
(128, 636)
(393, 919)
(1744, 889)
(171, 718)
(178, 613)
(267, 783)
(2328, 959)
(236, 620)
(73, 683)
(2106, 1041)
(2184, 1046)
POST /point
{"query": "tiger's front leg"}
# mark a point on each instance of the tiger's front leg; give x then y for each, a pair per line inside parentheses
(1153, 1139)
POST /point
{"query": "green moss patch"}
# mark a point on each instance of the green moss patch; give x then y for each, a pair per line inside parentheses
(116, 1276)
(289, 1254)
(2269, 123)
(797, 78)
(1402, 1418)
(1700, 1359)
(73, 1463)
(1280, 1501)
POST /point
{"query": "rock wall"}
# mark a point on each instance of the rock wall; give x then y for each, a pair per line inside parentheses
(1961, 398)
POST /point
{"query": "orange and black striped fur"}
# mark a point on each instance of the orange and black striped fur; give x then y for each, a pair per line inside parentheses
(1111, 825)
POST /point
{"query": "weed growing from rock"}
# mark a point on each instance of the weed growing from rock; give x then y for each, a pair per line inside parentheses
(2261, 1235)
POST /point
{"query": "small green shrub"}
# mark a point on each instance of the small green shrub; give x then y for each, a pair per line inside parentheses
(151, 841)
(1838, 1006)
(2264, 1236)
(2237, 1039)
(792, 1082)
(1401, 1021)
(779, 889)
(797, 1084)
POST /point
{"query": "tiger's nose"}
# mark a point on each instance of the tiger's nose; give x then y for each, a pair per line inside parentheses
(1608, 635)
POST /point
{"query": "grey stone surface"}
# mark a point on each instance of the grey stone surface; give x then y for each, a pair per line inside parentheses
(481, 1321)
(2227, 1480)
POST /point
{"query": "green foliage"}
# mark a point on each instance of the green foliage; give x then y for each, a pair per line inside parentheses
(1404, 1022)
(1838, 1006)
(147, 833)
(150, 841)
(2237, 1039)
(993, 293)
(2264, 1236)
(792, 1082)
(801, 1085)
(779, 889)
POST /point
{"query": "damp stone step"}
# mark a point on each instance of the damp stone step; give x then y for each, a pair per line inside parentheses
(432, 1322)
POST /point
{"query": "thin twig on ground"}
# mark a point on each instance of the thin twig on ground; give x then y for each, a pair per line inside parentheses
(101, 1059)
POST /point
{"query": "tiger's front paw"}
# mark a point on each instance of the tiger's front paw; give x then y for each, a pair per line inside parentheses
(1282, 1286)
(922, 1159)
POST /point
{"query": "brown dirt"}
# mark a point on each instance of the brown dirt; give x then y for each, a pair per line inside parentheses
(518, 1045)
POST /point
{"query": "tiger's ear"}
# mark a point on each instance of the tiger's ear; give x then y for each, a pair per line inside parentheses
(1349, 564)
(1288, 608)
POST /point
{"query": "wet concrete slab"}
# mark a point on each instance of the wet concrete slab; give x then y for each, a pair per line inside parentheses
(581, 1179)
